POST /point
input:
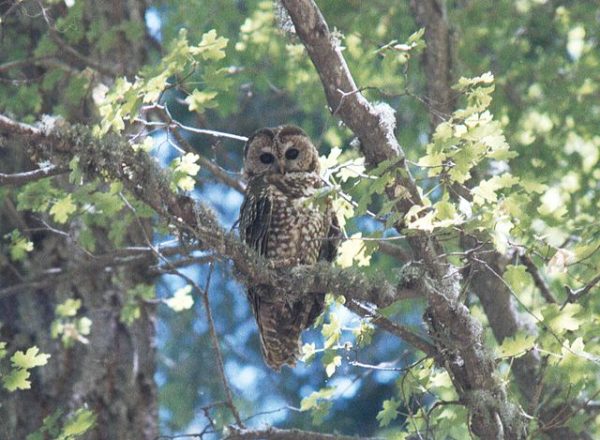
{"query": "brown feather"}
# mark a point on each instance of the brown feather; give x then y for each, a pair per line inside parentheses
(279, 222)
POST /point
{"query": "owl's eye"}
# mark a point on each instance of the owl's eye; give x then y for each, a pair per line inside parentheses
(292, 153)
(267, 158)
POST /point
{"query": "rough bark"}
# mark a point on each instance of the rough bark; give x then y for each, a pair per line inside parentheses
(504, 318)
(456, 334)
(437, 58)
(113, 375)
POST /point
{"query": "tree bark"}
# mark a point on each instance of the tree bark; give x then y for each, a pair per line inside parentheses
(457, 336)
(113, 374)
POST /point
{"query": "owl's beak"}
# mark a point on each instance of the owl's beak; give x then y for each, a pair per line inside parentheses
(281, 166)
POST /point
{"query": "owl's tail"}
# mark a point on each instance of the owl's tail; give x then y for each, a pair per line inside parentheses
(280, 325)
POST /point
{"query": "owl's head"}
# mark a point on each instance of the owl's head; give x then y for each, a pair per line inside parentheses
(280, 150)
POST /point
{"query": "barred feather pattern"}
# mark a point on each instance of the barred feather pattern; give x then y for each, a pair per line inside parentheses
(279, 220)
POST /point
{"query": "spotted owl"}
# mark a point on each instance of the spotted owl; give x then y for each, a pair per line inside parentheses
(280, 220)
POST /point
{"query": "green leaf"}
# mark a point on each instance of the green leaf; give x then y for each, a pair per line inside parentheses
(29, 359)
(185, 168)
(517, 277)
(332, 331)
(62, 209)
(84, 325)
(353, 251)
(319, 403)
(36, 196)
(17, 379)
(515, 346)
(331, 361)
(211, 47)
(364, 333)
(181, 300)
(313, 399)
(19, 246)
(3, 351)
(563, 320)
(308, 352)
(389, 412)
(49, 425)
(78, 423)
(320, 412)
(198, 101)
(68, 308)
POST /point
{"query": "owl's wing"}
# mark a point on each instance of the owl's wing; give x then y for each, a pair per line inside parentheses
(255, 218)
(327, 252)
(329, 247)
(277, 321)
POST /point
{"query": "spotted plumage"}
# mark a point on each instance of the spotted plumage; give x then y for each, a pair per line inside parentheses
(280, 220)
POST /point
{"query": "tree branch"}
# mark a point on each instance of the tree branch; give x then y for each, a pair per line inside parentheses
(456, 334)
(112, 157)
(30, 176)
(539, 282)
(437, 58)
(285, 434)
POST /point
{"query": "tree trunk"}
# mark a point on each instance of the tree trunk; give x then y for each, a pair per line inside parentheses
(111, 374)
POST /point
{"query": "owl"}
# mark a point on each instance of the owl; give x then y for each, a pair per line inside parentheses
(281, 221)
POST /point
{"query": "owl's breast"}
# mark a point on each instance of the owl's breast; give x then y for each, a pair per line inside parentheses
(297, 228)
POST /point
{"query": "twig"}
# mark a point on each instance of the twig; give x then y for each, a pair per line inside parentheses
(213, 333)
(215, 169)
(30, 176)
(540, 283)
(15, 64)
(574, 295)
(394, 328)
(213, 133)
(219, 356)
(102, 68)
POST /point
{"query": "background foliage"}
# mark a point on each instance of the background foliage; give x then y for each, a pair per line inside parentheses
(232, 67)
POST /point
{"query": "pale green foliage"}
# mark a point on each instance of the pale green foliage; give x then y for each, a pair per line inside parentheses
(68, 326)
(73, 426)
(363, 334)
(181, 300)
(62, 209)
(331, 361)
(516, 346)
(19, 246)
(318, 403)
(184, 170)
(131, 308)
(332, 330)
(16, 377)
(123, 101)
(353, 251)
(539, 197)
(389, 412)
(198, 101)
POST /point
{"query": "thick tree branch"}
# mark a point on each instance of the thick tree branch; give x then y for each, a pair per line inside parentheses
(437, 58)
(456, 333)
(30, 176)
(285, 434)
(114, 158)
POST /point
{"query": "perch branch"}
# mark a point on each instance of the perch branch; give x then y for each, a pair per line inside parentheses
(114, 158)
